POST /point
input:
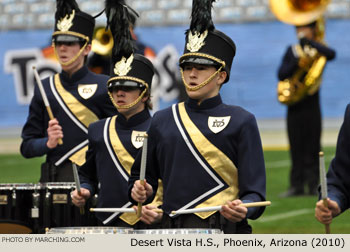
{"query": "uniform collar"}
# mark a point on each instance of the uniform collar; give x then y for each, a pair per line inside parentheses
(135, 119)
(78, 75)
(206, 104)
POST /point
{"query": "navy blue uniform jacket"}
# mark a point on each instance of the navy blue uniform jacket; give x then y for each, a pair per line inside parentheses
(186, 183)
(34, 133)
(102, 165)
(338, 176)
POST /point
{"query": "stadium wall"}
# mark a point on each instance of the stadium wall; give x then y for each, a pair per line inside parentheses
(26, 27)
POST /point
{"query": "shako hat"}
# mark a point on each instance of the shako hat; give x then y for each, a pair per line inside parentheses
(204, 44)
(72, 24)
(128, 69)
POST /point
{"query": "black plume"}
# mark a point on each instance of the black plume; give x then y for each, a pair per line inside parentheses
(118, 20)
(64, 7)
(201, 16)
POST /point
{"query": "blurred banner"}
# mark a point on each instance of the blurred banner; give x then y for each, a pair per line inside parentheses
(252, 85)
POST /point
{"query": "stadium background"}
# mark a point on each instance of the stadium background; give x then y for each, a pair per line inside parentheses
(26, 27)
(25, 31)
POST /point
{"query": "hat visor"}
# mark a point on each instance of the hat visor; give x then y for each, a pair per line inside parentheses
(66, 38)
(199, 61)
(125, 83)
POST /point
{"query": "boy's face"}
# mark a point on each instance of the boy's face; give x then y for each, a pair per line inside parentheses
(126, 95)
(67, 51)
(195, 74)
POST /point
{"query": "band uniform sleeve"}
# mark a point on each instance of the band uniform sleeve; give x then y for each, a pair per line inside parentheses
(152, 168)
(328, 52)
(288, 65)
(251, 167)
(338, 176)
(88, 171)
(34, 132)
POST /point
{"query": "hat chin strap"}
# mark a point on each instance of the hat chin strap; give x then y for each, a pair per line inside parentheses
(127, 106)
(189, 88)
(72, 59)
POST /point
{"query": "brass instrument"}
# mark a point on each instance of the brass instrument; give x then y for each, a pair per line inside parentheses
(102, 42)
(307, 78)
(303, 82)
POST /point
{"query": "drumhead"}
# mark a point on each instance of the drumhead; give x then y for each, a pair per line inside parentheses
(90, 230)
(14, 227)
(178, 231)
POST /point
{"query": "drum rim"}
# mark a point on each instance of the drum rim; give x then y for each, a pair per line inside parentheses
(17, 186)
(112, 229)
(92, 227)
(36, 186)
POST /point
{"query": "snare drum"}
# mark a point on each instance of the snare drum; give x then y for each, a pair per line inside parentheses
(58, 209)
(178, 231)
(30, 208)
(90, 230)
(19, 208)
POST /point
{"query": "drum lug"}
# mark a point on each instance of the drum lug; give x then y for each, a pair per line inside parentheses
(47, 198)
(14, 197)
(36, 199)
(36, 203)
(94, 200)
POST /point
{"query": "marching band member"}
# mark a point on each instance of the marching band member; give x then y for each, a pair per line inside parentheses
(115, 141)
(77, 97)
(304, 117)
(300, 77)
(338, 182)
(206, 153)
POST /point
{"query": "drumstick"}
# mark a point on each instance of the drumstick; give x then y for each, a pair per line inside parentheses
(46, 101)
(121, 210)
(218, 208)
(77, 184)
(142, 170)
(323, 182)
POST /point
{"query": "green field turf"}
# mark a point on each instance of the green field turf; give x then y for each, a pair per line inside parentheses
(16, 169)
(293, 215)
(290, 215)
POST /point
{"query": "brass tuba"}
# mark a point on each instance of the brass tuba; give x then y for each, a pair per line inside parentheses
(102, 42)
(307, 78)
